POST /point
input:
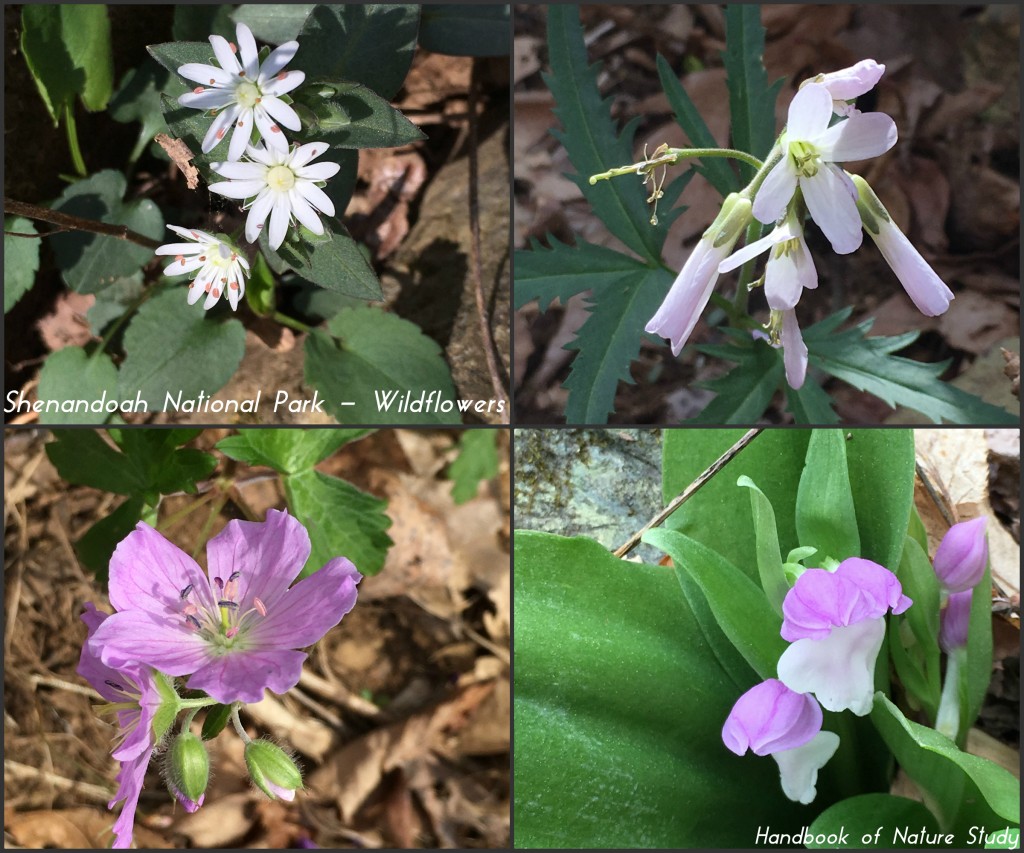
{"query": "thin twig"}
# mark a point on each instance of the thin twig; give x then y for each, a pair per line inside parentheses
(76, 223)
(23, 772)
(933, 492)
(60, 684)
(475, 267)
(688, 492)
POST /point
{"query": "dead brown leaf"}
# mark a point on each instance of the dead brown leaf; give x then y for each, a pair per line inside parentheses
(974, 322)
(182, 156)
(66, 325)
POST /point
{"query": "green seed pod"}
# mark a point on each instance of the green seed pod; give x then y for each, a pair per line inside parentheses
(188, 765)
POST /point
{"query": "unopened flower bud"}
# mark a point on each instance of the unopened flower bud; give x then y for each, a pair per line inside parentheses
(954, 621)
(731, 221)
(187, 770)
(272, 770)
(962, 555)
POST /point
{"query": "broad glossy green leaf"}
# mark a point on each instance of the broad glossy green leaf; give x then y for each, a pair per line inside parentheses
(97, 544)
(477, 460)
(978, 672)
(216, 718)
(609, 341)
(21, 259)
(825, 514)
(874, 821)
(619, 705)
(914, 641)
(342, 521)
(354, 116)
(138, 99)
(962, 790)
(274, 23)
(173, 348)
(367, 43)
(461, 29)
(91, 262)
(332, 261)
(289, 451)
(70, 375)
(769, 558)
(738, 604)
(385, 366)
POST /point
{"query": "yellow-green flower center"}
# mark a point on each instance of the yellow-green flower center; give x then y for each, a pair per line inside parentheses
(247, 94)
(280, 178)
(805, 157)
(785, 247)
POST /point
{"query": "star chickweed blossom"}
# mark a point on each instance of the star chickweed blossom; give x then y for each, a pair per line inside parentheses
(849, 83)
(145, 704)
(245, 93)
(236, 630)
(281, 185)
(835, 623)
(222, 268)
(771, 719)
(811, 150)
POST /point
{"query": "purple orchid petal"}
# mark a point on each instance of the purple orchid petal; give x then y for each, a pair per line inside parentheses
(769, 718)
(241, 676)
(962, 555)
(955, 621)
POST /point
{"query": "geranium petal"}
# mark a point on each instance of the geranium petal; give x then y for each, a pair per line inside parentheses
(129, 780)
(242, 676)
(775, 193)
(832, 206)
(165, 642)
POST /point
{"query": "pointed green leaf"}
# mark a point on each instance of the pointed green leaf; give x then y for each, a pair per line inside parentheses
(21, 259)
(978, 672)
(744, 393)
(355, 117)
(477, 460)
(290, 451)
(333, 261)
(915, 646)
(810, 405)
(769, 558)
(97, 544)
(825, 515)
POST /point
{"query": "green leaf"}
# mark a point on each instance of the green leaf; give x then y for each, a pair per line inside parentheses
(97, 545)
(333, 261)
(259, 291)
(592, 140)
(914, 646)
(21, 259)
(82, 457)
(744, 393)
(867, 364)
(751, 99)
(383, 364)
(342, 521)
(825, 514)
(810, 405)
(67, 50)
(963, 790)
(563, 271)
(69, 376)
(609, 341)
(873, 821)
(355, 117)
(459, 29)
(715, 170)
(367, 43)
(173, 349)
(217, 717)
(113, 301)
(91, 262)
(289, 451)
(477, 461)
(138, 99)
(619, 705)
(274, 23)
(161, 467)
(977, 673)
(197, 23)
(738, 604)
(769, 558)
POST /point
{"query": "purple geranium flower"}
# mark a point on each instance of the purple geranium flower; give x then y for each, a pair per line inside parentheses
(835, 622)
(134, 694)
(771, 719)
(236, 631)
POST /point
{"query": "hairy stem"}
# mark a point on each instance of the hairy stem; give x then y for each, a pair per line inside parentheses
(237, 723)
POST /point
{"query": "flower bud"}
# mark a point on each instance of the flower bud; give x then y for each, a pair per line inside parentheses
(962, 555)
(272, 770)
(187, 770)
(731, 221)
(954, 620)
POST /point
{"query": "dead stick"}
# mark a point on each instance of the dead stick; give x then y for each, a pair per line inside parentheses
(476, 269)
(688, 492)
(75, 223)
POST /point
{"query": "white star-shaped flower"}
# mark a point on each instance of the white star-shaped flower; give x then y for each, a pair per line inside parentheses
(222, 269)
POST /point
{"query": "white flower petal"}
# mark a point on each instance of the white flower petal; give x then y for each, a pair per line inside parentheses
(782, 286)
(261, 154)
(277, 60)
(794, 350)
(225, 55)
(238, 189)
(207, 75)
(240, 138)
(927, 291)
(247, 50)
(688, 296)
(849, 83)
(304, 153)
(283, 83)
(218, 127)
(318, 171)
(280, 216)
(179, 249)
(258, 213)
(280, 111)
(240, 171)
(183, 266)
(840, 669)
(809, 113)
(776, 191)
(210, 99)
(832, 206)
(195, 291)
(861, 136)
(751, 250)
(303, 212)
(269, 131)
(798, 768)
(315, 196)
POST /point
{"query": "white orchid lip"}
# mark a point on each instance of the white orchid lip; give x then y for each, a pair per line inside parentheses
(221, 267)
(244, 94)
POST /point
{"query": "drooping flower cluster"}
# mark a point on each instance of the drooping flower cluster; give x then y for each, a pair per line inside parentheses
(802, 175)
(233, 631)
(250, 99)
(835, 623)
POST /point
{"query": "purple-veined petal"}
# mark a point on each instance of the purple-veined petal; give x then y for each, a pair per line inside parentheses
(238, 189)
(776, 191)
(241, 676)
(955, 621)
(832, 206)
(90, 667)
(248, 52)
(241, 136)
(798, 768)
(875, 582)
(281, 112)
(225, 55)
(277, 60)
(258, 213)
(303, 212)
(147, 572)
(309, 609)
(283, 83)
(315, 196)
(770, 717)
(273, 138)
(129, 780)
(794, 350)
(211, 99)
(166, 643)
(809, 113)
(840, 669)
(280, 218)
(926, 290)
(207, 75)
(861, 136)
(218, 127)
(269, 554)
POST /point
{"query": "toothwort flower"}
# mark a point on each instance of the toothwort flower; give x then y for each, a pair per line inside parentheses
(810, 151)
(237, 630)
(245, 93)
(771, 719)
(222, 269)
(136, 694)
(849, 83)
(835, 624)
(281, 185)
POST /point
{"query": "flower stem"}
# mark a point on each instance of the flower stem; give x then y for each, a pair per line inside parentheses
(671, 156)
(186, 724)
(947, 720)
(127, 315)
(285, 320)
(205, 702)
(774, 156)
(237, 723)
(76, 151)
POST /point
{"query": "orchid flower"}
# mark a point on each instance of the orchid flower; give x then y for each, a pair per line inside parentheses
(962, 555)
